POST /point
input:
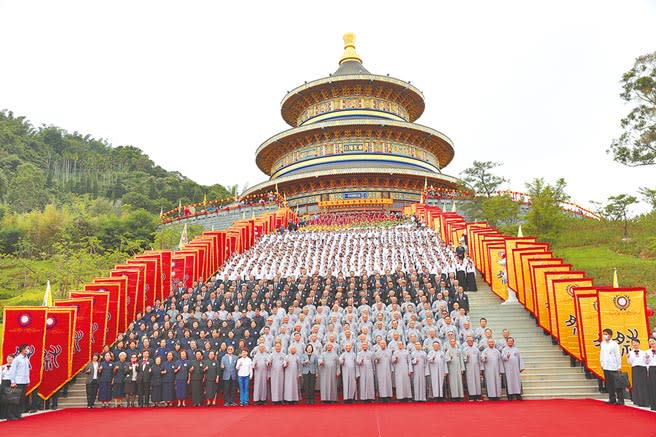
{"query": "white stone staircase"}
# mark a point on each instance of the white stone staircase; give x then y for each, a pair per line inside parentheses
(548, 372)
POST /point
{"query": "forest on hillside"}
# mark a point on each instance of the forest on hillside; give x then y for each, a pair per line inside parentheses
(48, 165)
(71, 206)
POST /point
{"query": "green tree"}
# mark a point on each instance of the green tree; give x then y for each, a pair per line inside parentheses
(546, 217)
(636, 145)
(480, 178)
(10, 236)
(617, 209)
(649, 196)
(168, 237)
(26, 190)
(499, 211)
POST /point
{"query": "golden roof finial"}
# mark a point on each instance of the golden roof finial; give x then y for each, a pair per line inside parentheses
(349, 49)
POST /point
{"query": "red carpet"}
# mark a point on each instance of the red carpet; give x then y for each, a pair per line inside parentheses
(527, 418)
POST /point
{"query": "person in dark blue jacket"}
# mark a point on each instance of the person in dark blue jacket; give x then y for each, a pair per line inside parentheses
(156, 381)
(168, 379)
(181, 370)
(106, 371)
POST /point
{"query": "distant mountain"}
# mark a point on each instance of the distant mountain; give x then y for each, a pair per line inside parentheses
(46, 164)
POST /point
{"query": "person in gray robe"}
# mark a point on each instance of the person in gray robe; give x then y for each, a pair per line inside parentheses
(365, 362)
(383, 360)
(471, 356)
(419, 371)
(437, 370)
(456, 366)
(492, 365)
(277, 374)
(328, 372)
(349, 374)
(261, 375)
(402, 367)
(513, 366)
(292, 376)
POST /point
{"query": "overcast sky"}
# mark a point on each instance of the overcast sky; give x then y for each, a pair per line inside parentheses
(197, 85)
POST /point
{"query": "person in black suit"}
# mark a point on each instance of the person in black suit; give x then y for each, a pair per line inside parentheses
(92, 375)
(144, 378)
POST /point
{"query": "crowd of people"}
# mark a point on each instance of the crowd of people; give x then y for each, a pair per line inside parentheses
(358, 314)
(361, 219)
(370, 314)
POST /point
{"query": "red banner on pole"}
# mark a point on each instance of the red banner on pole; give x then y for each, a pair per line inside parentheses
(58, 350)
(99, 318)
(158, 280)
(114, 312)
(83, 329)
(149, 267)
(133, 286)
(25, 325)
(178, 269)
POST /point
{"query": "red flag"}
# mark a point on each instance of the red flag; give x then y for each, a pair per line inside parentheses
(157, 257)
(167, 273)
(25, 325)
(83, 329)
(191, 265)
(124, 299)
(149, 278)
(178, 269)
(99, 316)
(58, 350)
(114, 312)
(134, 287)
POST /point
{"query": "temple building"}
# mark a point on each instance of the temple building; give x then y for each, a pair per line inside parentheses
(354, 143)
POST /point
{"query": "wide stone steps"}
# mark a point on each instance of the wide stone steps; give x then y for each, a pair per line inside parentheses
(547, 373)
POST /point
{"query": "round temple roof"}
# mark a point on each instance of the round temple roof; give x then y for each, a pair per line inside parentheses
(351, 80)
(430, 139)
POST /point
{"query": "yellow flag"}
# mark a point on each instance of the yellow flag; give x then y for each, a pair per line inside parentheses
(616, 283)
(519, 232)
(47, 296)
(566, 329)
(540, 290)
(587, 326)
(624, 311)
(499, 283)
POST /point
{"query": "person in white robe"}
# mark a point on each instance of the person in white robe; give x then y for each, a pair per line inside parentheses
(418, 359)
(513, 366)
(291, 393)
(277, 373)
(347, 360)
(383, 359)
(492, 368)
(437, 370)
(471, 356)
(456, 366)
(328, 373)
(402, 367)
(261, 375)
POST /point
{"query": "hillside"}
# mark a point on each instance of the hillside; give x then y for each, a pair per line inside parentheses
(72, 206)
(46, 164)
(596, 247)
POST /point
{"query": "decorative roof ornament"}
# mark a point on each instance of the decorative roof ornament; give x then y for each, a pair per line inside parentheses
(349, 49)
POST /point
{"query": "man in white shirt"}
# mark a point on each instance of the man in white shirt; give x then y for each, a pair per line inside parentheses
(611, 363)
(19, 375)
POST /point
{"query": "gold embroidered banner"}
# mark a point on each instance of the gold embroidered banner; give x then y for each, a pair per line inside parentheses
(624, 310)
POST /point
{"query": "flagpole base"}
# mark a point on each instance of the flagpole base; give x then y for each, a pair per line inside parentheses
(512, 298)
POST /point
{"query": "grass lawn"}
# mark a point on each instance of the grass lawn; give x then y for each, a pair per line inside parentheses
(599, 261)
